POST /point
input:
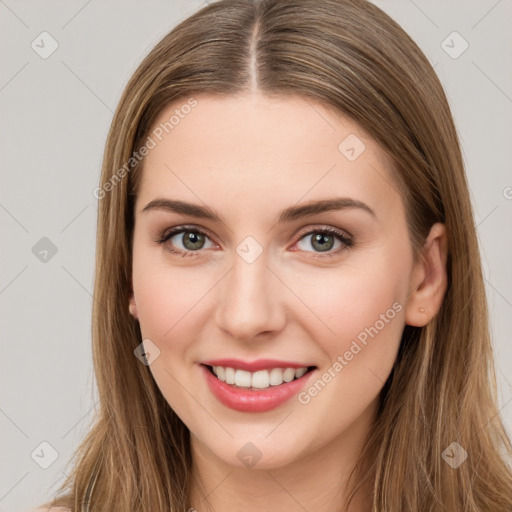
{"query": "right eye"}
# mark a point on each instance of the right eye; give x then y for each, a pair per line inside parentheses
(191, 239)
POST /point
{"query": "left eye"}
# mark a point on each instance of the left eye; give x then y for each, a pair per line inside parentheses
(324, 240)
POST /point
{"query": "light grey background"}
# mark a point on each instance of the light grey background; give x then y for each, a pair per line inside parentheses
(55, 115)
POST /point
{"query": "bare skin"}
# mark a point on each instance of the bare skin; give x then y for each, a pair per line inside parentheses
(248, 158)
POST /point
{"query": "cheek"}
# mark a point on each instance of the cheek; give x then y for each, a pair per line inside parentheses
(359, 308)
(364, 310)
(168, 296)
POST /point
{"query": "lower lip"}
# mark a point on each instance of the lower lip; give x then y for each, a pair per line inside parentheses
(248, 400)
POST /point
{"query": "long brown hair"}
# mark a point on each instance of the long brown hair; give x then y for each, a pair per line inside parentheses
(352, 57)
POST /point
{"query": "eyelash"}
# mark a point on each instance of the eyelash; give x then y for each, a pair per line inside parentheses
(348, 242)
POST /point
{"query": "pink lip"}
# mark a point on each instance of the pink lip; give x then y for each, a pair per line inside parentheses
(254, 366)
(248, 400)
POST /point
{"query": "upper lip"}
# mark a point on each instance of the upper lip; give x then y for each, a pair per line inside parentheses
(254, 366)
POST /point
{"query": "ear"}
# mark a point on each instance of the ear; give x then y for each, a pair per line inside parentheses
(429, 279)
(132, 306)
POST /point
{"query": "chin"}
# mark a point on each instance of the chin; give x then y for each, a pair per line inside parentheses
(256, 454)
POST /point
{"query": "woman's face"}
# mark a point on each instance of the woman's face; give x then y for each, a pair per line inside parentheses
(257, 279)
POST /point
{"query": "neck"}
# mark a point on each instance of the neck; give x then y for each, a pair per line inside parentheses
(316, 481)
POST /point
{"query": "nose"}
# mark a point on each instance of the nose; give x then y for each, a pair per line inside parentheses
(249, 300)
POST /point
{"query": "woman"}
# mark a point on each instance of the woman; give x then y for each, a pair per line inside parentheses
(289, 304)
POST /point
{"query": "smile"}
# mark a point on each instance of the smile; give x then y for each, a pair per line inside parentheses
(261, 379)
(258, 391)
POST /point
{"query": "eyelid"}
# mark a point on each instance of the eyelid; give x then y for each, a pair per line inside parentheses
(323, 227)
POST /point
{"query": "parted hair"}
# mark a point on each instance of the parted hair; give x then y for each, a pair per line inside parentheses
(357, 61)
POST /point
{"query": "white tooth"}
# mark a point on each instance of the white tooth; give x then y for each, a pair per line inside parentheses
(243, 379)
(276, 377)
(260, 379)
(289, 374)
(214, 368)
(220, 372)
(299, 372)
(230, 375)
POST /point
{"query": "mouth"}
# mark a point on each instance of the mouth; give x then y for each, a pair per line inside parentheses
(255, 392)
(258, 380)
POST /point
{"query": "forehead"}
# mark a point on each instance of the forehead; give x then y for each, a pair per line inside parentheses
(264, 151)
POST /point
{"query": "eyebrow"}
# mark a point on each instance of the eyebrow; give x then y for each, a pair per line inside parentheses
(287, 215)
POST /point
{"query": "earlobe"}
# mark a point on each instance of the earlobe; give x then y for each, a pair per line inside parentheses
(429, 279)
